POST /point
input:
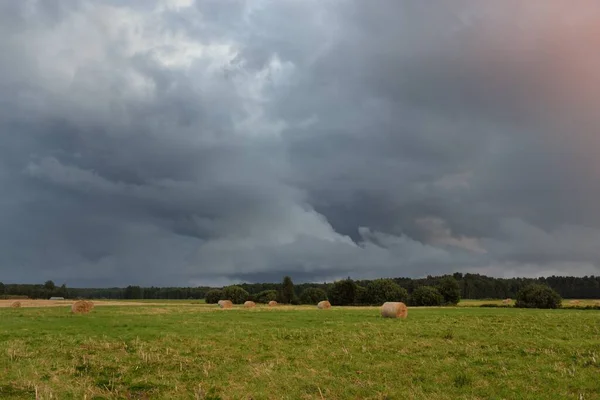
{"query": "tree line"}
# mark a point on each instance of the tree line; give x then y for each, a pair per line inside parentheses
(42, 291)
(470, 286)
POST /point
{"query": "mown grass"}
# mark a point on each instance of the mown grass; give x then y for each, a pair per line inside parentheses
(199, 352)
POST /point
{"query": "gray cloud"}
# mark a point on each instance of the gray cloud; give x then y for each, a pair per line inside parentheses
(206, 142)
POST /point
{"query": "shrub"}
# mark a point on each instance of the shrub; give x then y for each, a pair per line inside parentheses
(312, 295)
(343, 293)
(450, 291)
(538, 296)
(380, 291)
(236, 294)
(213, 296)
(426, 296)
(589, 308)
(266, 296)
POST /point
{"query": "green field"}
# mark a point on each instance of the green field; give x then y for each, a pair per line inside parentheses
(193, 351)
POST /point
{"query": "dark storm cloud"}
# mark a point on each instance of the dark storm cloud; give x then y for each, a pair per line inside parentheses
(206, 142)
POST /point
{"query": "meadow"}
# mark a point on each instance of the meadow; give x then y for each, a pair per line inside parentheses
(197, 351)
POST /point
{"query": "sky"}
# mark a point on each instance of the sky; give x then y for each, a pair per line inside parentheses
(209, 142)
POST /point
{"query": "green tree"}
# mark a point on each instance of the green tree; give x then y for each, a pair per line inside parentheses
(450, 290)
(312, 295)
(63, 292)
(133, 292)
(381, 290)
(2, 289)
(361, 295)
(343, 293)
(236, 294)
(266, 296)
(538, 296)
(287, 294)
(426, 296)
(49, 285)
(213, 296)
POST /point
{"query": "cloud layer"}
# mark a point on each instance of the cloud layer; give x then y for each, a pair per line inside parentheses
(182, 142)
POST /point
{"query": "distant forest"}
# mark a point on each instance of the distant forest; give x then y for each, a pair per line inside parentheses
(472, 286)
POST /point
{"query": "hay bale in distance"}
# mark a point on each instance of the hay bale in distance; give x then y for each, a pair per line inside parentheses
(506, 301)
(249, 304)
(16, 304)
(272, 303)
(393, 309)
(225, 304)
(574, 302)
(82, 307)
(324, 305)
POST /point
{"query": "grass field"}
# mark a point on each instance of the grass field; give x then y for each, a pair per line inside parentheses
(194, 351)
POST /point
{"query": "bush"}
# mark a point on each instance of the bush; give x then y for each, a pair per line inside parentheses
(266, 296)
(426, 296)
(312, 295)
(236, 294)
(589, 308)
(213, 296)
(381, 290)
(538, 296)
(450, 291)
(343, 293)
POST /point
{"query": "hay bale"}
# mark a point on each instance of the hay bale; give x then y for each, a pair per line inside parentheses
(506, 301)
(82, 307)
(249, 304)
(225, 304)
(272, 303)
(324, 305)
(574, 302)
(16, 304)
(393, 309)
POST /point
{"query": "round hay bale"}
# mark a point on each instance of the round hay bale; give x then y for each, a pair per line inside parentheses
(249, 304)
(272, 303)
(392, 309)
(506, 301)
(16, 304)
(324, 305)
(225, 304)
(82, 307)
